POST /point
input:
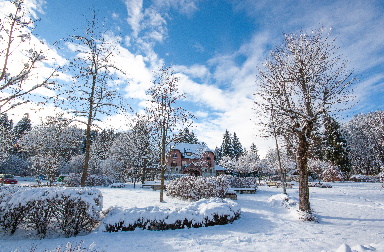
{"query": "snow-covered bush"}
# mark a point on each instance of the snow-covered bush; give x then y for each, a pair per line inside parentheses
(381, 175)
(74, 179)
(118, 185)
(64, 210)
(240, 182)
(365, 178)
(78, 210)
(195, 188)
(318, 167)
(332, 174)
(10, 216)
(205, 212)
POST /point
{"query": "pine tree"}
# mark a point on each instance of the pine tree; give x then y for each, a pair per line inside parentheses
(336, 149)
(236, 146)
(6, 123)
(186, 136)
(255, 151)
(226, 148)
(23, 126)
(6, 135)
(217, 153)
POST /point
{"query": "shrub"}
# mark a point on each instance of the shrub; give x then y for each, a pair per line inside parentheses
(78, 210)
(74, 179)
(69, 211)
(242, 182)
(332, 174)
(365, 178)
(202, 213)
(196, 188)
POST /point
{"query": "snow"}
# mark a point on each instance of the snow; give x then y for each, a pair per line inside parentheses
(350, 218)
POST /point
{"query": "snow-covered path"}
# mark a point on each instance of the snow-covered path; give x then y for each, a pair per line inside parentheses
(349, 213)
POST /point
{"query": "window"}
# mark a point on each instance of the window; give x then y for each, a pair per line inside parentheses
(174, 155)
(173, 164)
(208, 158)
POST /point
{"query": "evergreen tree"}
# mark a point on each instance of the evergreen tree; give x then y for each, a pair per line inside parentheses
(255, 151)
(186, 136)
(336, 149)
(217, 153)
(236, 146)
(23, 126)
(6, 136)
(5, 123)
(226, 148)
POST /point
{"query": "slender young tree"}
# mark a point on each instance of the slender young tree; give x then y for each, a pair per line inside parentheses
(164, 115)
(301, 81)
(20, 59)
(93, 93)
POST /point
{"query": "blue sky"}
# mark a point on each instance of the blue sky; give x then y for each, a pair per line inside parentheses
(216, 47)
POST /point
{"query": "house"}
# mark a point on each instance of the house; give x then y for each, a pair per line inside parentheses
(192, 159)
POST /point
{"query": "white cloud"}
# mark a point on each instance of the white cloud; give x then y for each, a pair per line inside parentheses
(194, 71)
(135, 15)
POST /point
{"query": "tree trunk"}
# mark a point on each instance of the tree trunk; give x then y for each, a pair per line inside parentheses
(87, 155)
(162, 164)
(88, 131)
(302, 162)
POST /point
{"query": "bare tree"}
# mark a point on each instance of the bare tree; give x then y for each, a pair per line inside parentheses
(164, 114)
(301, 81)
(20, 59)
(94, 92)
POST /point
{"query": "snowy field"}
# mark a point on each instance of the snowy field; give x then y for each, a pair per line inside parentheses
(350, 215)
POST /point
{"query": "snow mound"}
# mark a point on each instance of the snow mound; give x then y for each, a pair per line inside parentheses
(282, 200)
(291, 204)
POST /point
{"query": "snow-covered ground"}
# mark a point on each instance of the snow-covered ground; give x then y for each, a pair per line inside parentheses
(351, 215)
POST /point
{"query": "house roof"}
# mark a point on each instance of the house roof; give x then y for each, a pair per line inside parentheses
(219, 168)
(191, 150)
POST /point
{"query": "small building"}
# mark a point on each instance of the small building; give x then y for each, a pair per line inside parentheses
(220, 170)
(191, 159)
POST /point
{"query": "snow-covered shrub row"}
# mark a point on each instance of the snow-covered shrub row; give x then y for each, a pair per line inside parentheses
(205, 212)
(69, 211)
(243, 182)
(74, 179)
(195, 188)
(366, 178)
(118, 185)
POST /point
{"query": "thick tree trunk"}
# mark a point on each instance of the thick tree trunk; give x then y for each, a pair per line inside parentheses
(302, 162)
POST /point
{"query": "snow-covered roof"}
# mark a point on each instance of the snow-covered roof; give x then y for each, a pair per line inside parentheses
(191, 150)
(219, 168)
